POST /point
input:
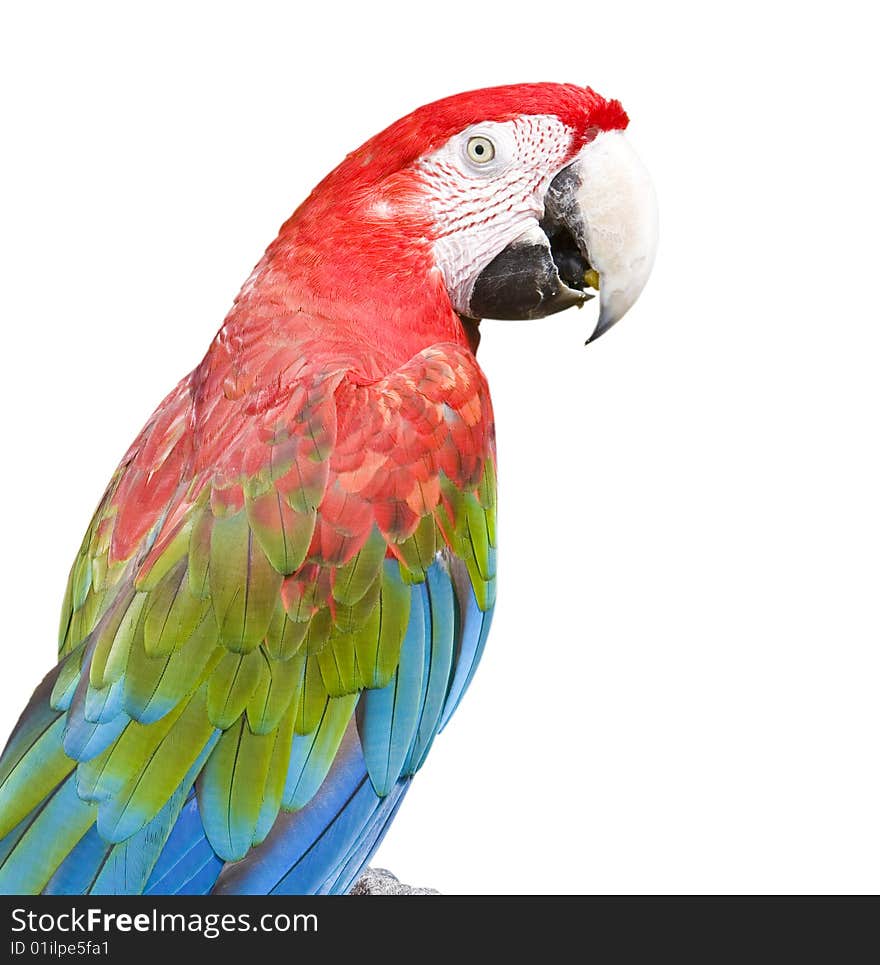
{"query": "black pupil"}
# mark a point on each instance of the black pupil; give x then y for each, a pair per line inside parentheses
(478, 149)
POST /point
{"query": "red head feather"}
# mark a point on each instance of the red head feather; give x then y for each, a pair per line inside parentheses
(372, 282)
(580, 108)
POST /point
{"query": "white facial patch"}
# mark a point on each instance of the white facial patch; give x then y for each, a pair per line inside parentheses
(481, 206)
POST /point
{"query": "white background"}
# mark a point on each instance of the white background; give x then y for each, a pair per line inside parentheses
(680, 690)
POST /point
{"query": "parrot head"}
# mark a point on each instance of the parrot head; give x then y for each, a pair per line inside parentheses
(511, 201)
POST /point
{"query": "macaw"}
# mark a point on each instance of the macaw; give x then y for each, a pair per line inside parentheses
(287, 586)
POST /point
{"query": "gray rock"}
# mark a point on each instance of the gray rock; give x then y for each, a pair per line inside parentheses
(378, 881)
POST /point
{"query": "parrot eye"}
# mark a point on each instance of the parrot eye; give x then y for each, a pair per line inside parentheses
(480, 150)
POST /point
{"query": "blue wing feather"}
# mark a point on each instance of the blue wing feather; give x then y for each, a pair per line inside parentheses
(130, 863)
(440, 632)
(186, 858)
(80, 868)
(322, 848)
(388, 718)
(472, 630)
(342, 879)
(338, 818)
(281, 864)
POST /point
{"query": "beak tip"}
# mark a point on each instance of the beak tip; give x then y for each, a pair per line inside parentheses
(614, 302)
(607, 319)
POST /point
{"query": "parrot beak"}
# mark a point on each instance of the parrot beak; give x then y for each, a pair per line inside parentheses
(599, 230)
(615, 201)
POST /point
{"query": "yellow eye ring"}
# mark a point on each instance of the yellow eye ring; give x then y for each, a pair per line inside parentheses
(480, 150)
